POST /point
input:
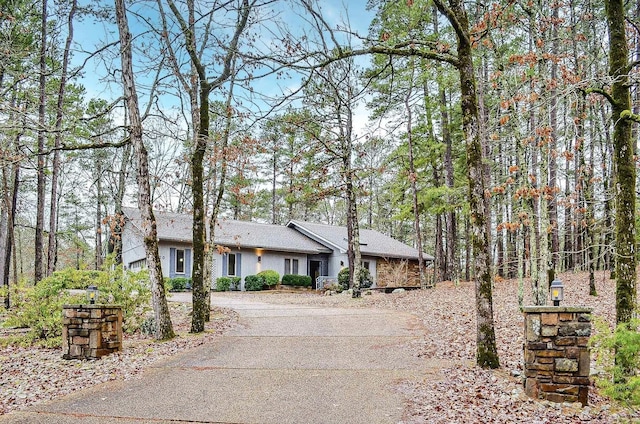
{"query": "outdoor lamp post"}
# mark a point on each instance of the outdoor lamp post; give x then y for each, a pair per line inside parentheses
(92, 294)
(557, 292)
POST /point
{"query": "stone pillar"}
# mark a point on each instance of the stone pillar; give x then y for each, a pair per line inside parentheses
(556, 353)
(91, 331)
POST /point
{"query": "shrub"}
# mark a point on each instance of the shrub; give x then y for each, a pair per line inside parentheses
(223, 284)
(296, 280)
(235, 283)
(271, 277)
(365, 278)
(618, 353)
(39, 307)
(253, 282)
(131, 290)
(227, 283)
(179, 284)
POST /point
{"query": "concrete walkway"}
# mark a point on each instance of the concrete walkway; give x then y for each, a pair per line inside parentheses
(282, 364)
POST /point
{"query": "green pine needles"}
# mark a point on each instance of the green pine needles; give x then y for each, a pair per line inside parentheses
(618, 355)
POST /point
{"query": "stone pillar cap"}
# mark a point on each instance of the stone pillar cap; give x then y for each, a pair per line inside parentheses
(560, 309)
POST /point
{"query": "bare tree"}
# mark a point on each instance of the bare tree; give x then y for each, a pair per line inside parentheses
(205, 85)
(41, 184)
(164, 328)
(52, 255)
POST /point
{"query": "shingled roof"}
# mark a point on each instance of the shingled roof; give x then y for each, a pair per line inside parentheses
(372, 243)
(179, 228)
(296, 236)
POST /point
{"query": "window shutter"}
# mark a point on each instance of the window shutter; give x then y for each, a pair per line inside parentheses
(214, 273)
(172, 262)
(225, 264)
(238, 265)
(187, 263)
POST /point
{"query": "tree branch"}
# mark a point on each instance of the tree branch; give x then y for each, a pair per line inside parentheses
(453, 19)
(627, 114)
(600, 91)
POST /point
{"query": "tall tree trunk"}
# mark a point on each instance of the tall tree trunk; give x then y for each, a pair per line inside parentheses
(487, 353)
(552, 202)
(438, 251)
(568, 227)
(413, 180)
(353, 232)
(52, 255)
(450, 271)
(451, 261)
(117, 224)
(439, 257)
(7, 223)
(500, 218)
(11, 225)
(164, 328)
(607, 236)
(624, 150)
(467, 249)
(41, 180)
(8, 206)
(5, 239)
(578, 214)
(534, 181)
(274, 176)
(217, 203)
(589, 214)
(98, 245)
(353, 227)
(199, 298)
(545, 195)
(197, 172)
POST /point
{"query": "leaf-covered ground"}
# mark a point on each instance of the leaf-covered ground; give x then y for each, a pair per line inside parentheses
(454, 395)
(32, 375)
(468, 394)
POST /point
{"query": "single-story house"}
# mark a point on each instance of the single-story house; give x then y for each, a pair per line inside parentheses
(299, 247)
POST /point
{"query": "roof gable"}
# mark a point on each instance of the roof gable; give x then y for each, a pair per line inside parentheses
(372, 243)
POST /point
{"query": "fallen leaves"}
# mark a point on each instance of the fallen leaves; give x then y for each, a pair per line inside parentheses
(32, 375)
(446, 314)
(467, 393)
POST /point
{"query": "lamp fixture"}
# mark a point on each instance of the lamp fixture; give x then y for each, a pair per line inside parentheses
(557, 292)
(92, 294)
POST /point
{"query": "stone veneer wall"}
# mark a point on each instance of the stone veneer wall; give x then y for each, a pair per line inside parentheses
(556, 353)
(91, 331)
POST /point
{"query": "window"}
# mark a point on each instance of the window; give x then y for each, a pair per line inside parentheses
(179, 261)
(291, 266)
(231, 264)
(365, 265)
(138, 265)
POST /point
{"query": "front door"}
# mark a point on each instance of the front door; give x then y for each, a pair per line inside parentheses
(315, 268)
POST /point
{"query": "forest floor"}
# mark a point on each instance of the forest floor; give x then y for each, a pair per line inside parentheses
(463, 394)
(470, 394)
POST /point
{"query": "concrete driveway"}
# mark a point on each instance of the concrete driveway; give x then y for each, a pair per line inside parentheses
(281, 364)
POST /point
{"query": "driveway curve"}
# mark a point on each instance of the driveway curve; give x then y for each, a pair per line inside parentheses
(280, 364)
